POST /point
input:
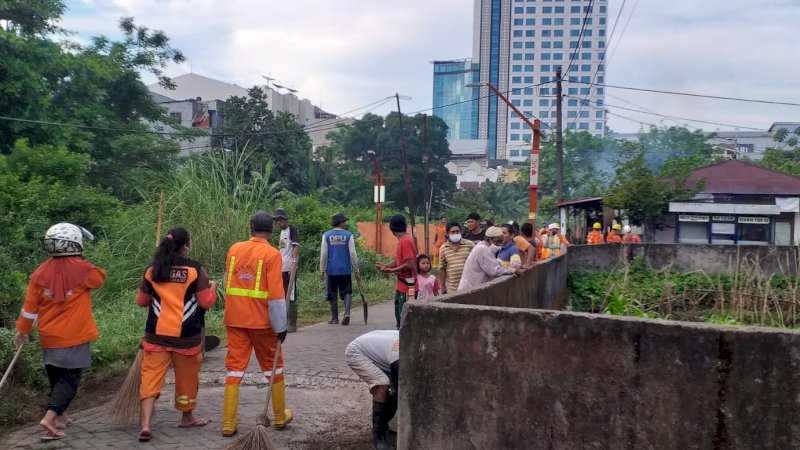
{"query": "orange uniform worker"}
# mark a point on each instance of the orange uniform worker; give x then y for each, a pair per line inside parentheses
(59, 297)
(553, 241)
(630, 238)
(255, 318)
(595, 236)
(438, 240)
(614, 237)
(177, 293)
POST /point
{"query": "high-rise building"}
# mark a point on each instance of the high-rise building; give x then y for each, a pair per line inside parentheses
(518, 45)
(453, 101)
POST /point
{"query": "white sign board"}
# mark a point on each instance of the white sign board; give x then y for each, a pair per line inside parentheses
(692, 218)
(382, 194)
(724, 218)
(534, 169)
(723, 228)
(753, 219)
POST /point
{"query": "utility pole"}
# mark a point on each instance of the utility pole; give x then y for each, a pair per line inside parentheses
(559, 140)
(407, 175)
(425, 180)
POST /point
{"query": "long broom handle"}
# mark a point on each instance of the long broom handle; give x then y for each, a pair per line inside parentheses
(272, 378)
(160, 216)
(14, 360)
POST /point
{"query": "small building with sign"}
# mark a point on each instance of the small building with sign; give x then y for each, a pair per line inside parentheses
(740, 203)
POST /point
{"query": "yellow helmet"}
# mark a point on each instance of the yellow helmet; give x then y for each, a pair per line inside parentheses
(597, 226)
(616, 227)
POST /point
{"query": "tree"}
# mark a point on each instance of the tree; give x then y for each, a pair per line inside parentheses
(784, 156)
(640, 193)
(349, 148)
(269, 135)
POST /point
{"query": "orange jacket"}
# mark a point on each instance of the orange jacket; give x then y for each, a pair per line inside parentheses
(252, 279)
(613, 238)
(441, 237)
(594, 237)
(66, 323)
(631, 238)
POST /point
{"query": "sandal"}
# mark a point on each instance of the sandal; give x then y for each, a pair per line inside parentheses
(196, 423)
(145, 436)
(50, 436)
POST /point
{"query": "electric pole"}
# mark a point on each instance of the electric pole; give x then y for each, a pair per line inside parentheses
(427, 205)
(559, 140)
(407, 175)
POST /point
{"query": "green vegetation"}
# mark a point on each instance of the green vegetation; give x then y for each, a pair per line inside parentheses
(747, 297)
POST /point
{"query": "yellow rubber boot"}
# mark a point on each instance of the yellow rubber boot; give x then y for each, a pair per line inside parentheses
(230, 407)
(282, 415)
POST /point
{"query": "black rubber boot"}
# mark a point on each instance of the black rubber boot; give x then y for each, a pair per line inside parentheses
(292, 317)
(348, 300)
(380, 427)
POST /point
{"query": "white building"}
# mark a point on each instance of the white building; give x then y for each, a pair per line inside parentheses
(468, 163)
(518, 45)
(190, 86)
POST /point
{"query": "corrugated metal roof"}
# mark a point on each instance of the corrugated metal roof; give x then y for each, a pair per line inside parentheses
(738, 177)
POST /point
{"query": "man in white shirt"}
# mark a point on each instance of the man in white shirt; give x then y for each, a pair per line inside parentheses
(482, 264)
(289, 246)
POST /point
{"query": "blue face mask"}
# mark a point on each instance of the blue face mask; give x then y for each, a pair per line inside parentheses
(455, 238)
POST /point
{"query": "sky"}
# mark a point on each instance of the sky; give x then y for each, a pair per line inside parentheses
(345, 54)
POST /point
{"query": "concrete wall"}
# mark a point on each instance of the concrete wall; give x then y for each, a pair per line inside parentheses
(543, 286)
(707, 258)
(477, 377)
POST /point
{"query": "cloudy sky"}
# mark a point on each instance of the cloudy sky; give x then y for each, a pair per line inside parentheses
(344, 54)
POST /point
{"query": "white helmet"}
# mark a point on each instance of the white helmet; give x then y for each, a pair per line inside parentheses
(626, 229)
(553, 226)
(64, 239)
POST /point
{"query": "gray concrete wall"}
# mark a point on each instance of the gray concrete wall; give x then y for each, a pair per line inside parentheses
(543, 286)
(476, 377)
(769, 259)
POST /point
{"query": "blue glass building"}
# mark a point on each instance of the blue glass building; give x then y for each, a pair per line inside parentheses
(453, 101)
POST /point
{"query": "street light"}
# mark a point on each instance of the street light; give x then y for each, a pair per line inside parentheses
(534, 168)
(378, 195)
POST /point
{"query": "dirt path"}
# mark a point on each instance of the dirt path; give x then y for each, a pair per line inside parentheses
(332, 407)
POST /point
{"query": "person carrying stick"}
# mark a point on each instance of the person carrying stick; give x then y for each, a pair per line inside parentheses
(59, 297)
(255, 318)
(177, 293)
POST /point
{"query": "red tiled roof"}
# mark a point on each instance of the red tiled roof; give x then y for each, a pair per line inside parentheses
(738, 177)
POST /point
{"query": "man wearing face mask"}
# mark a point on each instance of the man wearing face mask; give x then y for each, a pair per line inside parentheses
(482, 264)
(452, 256)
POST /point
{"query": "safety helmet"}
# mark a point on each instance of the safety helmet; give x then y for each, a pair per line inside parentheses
(597, 226)
(616, 227)
(553, 226)
(64, 239)
(626, 229)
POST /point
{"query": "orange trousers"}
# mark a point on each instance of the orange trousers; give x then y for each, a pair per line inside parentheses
(241, 343)
(187, 381)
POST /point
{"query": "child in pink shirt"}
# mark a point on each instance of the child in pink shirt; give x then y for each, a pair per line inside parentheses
(427, 284)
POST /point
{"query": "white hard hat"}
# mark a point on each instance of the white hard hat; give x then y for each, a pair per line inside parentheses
(64, 239)
(553, 226)
(626, 229)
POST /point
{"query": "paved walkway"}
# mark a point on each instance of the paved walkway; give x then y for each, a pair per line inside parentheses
(332, 407)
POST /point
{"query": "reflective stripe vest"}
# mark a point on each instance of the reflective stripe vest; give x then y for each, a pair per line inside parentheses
(252, 279)
(594, 237)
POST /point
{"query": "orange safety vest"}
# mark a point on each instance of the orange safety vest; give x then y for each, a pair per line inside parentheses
(594, 237)
(253, 278)
(614, 238)
(174, 309)
(631, 238)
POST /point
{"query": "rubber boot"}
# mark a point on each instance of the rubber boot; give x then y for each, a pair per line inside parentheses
(380, 427)
(348, 301)
(292, 317)
(230, 406)
(282, 415)
(398, 308)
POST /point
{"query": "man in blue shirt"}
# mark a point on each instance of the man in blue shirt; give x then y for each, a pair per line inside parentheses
(509, 255)
(338, 260)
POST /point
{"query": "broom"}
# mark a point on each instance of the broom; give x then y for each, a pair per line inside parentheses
(258, 437)
(14, 360)
(125, 407)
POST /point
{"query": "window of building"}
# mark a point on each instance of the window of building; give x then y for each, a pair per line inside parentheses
(601, 79)
(599, 102)
(519, 21)
(544, 91)
(553, 102)
(573, 67)
(558, 21)
(531, 10)
(586, 44)
(528, 80)
(583, 126)
(586, 79)
(602, 9)
(530, 21)
(575, 21)
(572, 91)
(584, 115)
(543, 102)
(598, 125)
(584, 91)
(529, 44)
(176, 115)
(601, 32)
(544, 113)
(528, 91)
(573, 44)
(575, 9)
(587, 32)
(600, 91)
(528, 56)
(559, 10)
(601, 55)
(527, 102)
(514, 152)
(516, 91)
(515, 102)
(545, 68)
(588, 21)
(572, 102)
(530, 33)
(516, 45)
(545, 56)
(546, 44)
(547, 21)
(516, 79)
(514, 137)
(575, 32)
(517, 33)
(519, 10)
(586, 56)
(602, 21)
(516, 57)
(558, 56)
(571, 126)
(516, 68)
(558, 33)
(573, 79)
(546, 33)
(544, 79)
(587, 9)
(572, 114)
(547, 10)
(515, 125)
(558, 44)
(526, 137)
(586, 67)
(598, 114)
(601, 67)
(601, 44)
(529, 68)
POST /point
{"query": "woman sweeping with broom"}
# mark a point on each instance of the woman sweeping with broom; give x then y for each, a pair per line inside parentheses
(177, 292)
(59, 299)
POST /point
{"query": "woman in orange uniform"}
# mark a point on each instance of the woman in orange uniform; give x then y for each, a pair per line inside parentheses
(59, 298)
(177, 293)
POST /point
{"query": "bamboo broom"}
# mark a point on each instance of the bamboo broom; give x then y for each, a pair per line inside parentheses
(125, 407)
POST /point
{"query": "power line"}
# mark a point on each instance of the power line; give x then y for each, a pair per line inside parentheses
(580, 37)
(687, 94)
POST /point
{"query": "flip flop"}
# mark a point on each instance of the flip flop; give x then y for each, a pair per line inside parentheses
(48, 436)
(196, 423)
(145, 436)
(66, 424)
